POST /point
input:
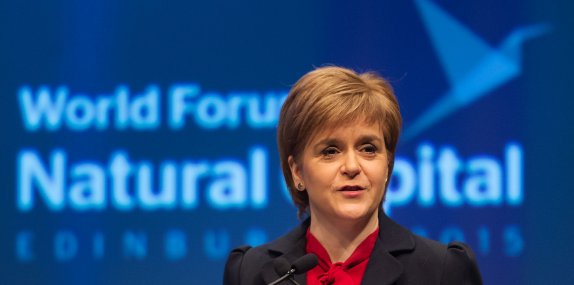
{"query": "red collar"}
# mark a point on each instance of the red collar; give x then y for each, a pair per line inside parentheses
(350, 271)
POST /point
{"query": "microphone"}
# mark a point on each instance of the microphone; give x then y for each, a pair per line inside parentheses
(305, 263)
(281, 265)
(301, 265)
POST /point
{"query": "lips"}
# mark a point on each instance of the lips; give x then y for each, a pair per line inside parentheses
(351, 188)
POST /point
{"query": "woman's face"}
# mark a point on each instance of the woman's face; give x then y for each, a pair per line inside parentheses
(344, 171)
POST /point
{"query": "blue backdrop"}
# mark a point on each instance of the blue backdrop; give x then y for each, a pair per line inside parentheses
(138, 140)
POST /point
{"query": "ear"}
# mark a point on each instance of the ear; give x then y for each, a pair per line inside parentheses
(295, 170)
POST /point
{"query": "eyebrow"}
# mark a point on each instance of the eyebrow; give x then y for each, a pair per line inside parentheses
(363, 138)
(370, 138)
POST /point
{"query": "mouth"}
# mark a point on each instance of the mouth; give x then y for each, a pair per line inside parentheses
(352, 188)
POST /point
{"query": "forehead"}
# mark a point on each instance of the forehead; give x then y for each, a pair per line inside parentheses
(359, 128)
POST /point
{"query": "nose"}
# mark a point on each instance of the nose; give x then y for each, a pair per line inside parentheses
(351, 166)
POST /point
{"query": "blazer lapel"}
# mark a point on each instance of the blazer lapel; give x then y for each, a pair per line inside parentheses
(383, 267)
(293, 254)
(291, 247)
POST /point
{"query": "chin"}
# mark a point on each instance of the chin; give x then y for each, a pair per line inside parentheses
(355, 213)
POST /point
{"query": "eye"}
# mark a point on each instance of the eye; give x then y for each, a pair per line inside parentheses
(329, 151)
(369, 149)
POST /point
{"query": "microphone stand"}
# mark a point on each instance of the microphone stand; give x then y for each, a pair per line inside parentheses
(301, 265)
(289, 275)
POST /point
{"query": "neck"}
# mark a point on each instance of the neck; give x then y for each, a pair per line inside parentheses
(341, 238)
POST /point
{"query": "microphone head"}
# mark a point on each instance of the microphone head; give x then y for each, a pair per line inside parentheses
(281, 265)
(305, 263)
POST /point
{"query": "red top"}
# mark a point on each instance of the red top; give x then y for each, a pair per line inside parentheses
(349, 272)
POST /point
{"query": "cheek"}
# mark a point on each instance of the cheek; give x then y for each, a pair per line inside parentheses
(319, 175)
(377, 173)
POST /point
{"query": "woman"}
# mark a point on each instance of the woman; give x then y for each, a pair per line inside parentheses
(337, 136)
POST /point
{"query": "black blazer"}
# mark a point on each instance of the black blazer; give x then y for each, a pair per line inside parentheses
(399, 257)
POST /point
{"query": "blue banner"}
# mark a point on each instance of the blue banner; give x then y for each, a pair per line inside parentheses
(139, 136)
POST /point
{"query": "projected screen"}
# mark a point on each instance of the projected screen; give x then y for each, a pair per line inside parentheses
(139, 137)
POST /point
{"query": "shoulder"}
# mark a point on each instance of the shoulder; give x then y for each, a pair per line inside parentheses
(460, 265)
(244, 263)
(248, 265)
(453, 263)
(425, 261)
(233, 265)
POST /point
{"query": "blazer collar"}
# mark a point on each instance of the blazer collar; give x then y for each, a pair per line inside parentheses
(393, 237)
(290, 246)
(383, 267)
